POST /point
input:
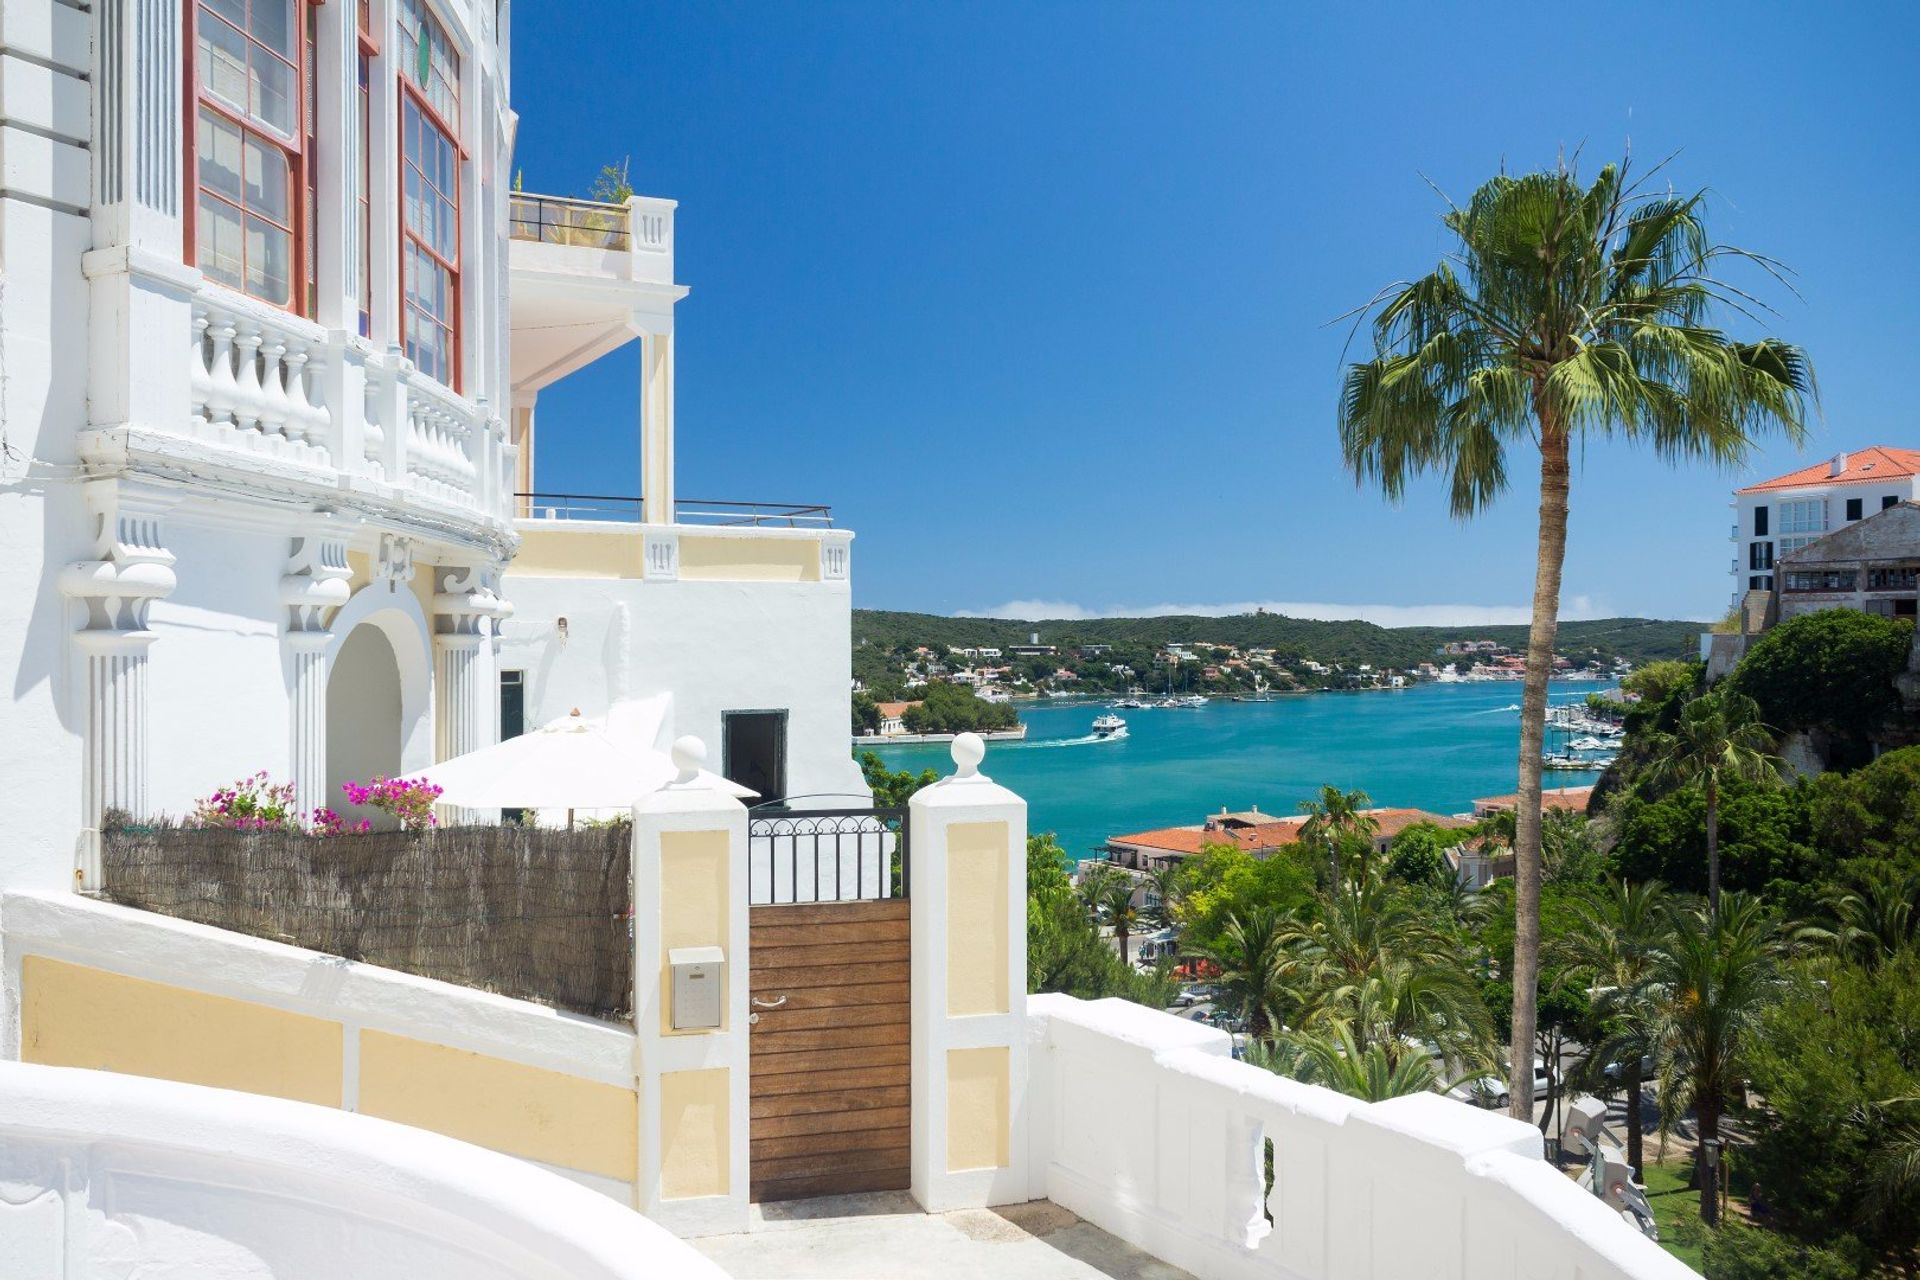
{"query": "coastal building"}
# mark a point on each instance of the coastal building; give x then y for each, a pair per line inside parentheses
(1252, 831)
(1570, 799)
(1777, 517)
(1872, 565)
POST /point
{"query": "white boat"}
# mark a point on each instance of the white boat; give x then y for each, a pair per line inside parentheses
(1194, 700)
(1109, 726)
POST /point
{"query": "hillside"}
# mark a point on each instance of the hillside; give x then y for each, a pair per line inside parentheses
(1638, 640)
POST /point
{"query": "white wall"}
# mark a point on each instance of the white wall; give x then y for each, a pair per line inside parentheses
(1143, 1124)
(715, 646)
(111, 1175)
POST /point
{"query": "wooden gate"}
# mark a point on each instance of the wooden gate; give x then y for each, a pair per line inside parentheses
(829, 983)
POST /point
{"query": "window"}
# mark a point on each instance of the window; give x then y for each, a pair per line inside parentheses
(1889, 500)
(1893, 579)
(513, 718)
(430, 194)
(1760, 555)
(1809, 515)
(1761, 583)
(754, 746)
(1822, 580)
(248, 153)
(1759, 522)
(1790, 545)
(363, 108)
(1853, 508)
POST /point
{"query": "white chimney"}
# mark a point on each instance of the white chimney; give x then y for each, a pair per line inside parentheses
(1033, 637)
(1838, 465)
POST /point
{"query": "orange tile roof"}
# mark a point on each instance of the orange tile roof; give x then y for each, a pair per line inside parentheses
(1275, 834)
(1875, 462)
(1574, 798)
(894, 708)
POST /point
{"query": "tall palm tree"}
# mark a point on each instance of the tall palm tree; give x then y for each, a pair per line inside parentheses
(1251, 952)
(1166, 885)
(1339, 826)
(1712, 979)
(1564, 313)
(1109, 893)
(1719, 739)
(1613, 945)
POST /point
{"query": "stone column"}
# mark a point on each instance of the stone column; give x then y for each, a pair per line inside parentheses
(465, 601)
(131, 569)
(969, 993)
(690, 890)
(314, 586)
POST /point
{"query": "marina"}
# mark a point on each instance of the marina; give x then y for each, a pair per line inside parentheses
(1432, 746)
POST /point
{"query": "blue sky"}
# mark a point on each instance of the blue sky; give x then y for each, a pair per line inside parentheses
(1038, 296)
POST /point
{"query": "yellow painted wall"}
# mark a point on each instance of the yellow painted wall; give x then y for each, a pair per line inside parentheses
(725, 559)
(977, 918)
(75, 1016)
(361, 565)
(563, 553)
(693, 907)
(524, 1111)
(979, 1095)
(694, 1131)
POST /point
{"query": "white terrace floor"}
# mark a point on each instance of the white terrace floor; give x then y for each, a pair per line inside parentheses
(887, 1237)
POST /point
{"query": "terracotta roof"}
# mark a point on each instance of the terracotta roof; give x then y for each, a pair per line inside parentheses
(1574, 798)
(891, 709)
(1875, 462)
(1274, 833)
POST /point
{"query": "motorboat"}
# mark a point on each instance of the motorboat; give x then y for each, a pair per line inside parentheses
(1109, 726)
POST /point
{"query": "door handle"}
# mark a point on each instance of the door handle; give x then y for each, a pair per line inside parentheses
(758, 1003)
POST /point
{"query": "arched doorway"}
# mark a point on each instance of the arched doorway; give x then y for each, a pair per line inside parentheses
(365, 732)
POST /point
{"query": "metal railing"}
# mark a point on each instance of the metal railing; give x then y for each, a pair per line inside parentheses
(597, 506)
(826, 855)
(592, 224)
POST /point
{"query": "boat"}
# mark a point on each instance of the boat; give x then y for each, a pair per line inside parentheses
(1109, 726)
(1194, 700)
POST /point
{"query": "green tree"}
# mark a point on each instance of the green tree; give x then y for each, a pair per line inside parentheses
(1569, 853)
(866, 714)
(1656, 682)
(892, 787)
(1737, 1252)
(1251, 952)
(1713, 981)
(1065, 951)
(1226, 880)
(1832, 673)
(1333, 1060)
(1109, 893)
(1418, 855)
(1339, 829)
(1872, 812)
(1719, 738)
(1563, 312)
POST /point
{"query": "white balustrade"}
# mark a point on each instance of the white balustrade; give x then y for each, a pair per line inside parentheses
(253, 381)
(1413, 1186)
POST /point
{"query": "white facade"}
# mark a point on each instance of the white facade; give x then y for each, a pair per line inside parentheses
(1774, 519)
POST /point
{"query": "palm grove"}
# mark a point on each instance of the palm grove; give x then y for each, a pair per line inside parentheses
(1740, 946)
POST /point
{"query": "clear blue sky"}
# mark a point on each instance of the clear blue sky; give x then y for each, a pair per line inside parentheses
(1038, 295)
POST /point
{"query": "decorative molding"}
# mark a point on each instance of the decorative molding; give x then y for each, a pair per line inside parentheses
(835, 556)
(394, 563)
(660, 555)
(315, 584)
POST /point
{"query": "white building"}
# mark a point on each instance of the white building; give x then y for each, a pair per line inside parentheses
(1775, 518)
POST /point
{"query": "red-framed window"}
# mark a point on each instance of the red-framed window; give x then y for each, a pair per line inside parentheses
(363, 109)
(251, 148)
(430, 160)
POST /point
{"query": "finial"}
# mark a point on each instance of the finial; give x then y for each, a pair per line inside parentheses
(968, 752)
(689, 756)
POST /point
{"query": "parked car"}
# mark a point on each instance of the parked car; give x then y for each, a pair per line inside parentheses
(1616, 1069)
(1492, 1092)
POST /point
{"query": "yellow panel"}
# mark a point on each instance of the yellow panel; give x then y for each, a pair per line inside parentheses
(978, 1105)
(524, 1111)
(75, 1016)
(693, 908)
(977, 918)
(361, 566)
(724, 559)
(694, 1130)
(565, 553)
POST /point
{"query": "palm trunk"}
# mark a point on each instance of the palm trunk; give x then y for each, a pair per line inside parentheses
(1713, 847)
(1121, 933)
(1708, 1178)
(1634, 1142)
(1549, 558)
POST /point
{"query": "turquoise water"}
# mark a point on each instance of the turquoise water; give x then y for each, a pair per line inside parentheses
(1433, 746)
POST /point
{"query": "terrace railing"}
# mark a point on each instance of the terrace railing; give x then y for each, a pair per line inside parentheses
(826, 855)
(592, 224)
(699, 511)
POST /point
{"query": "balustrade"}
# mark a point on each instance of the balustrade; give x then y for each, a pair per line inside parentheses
(254, 381)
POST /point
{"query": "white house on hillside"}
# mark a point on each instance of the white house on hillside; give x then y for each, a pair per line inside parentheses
(1775, 518)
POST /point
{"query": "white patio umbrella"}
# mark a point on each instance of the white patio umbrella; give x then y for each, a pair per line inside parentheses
(575, 762)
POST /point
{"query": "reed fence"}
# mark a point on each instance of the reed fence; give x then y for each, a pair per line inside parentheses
(529, 912)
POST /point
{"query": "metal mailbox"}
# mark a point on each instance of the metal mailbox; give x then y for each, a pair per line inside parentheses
(699, 987)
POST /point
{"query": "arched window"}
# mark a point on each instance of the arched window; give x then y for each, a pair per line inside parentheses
(250, 143)
(430, 159)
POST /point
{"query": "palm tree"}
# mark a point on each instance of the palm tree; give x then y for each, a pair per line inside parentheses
(1872, 920)
(1719, 739)
(1336, 823)
(1166, 885)
(1254, 969)
(1333, 1060)
(1564, 313)
(1712, 979)
(1109, 894)
(1613, 944)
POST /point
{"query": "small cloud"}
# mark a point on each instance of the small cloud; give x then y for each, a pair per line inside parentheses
(1386, 615)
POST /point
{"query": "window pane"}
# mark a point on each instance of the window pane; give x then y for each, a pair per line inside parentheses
(219, 151)
(223, 62)
(269, 262)
(273, 100)
(234, 11)
(267, 180)
(217, 232)
(272, 25)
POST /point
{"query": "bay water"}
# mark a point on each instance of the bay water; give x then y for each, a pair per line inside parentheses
(1430, 746)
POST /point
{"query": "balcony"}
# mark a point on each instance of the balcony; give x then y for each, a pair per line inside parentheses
(586, 276)
(566, 535)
